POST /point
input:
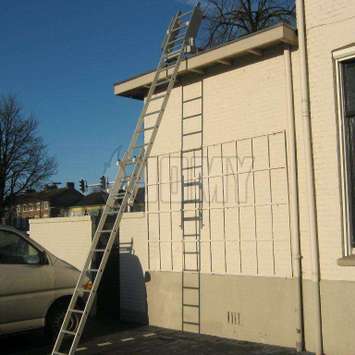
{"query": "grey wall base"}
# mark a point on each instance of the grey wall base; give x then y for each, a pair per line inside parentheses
(258, 309)
(247, 308)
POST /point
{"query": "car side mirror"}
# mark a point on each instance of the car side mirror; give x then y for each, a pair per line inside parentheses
(43, 258)
(147, 276)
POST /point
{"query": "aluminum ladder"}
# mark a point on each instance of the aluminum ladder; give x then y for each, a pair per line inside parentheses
(177, 41)
(191, 207)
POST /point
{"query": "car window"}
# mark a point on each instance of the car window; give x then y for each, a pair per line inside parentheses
(16, 250)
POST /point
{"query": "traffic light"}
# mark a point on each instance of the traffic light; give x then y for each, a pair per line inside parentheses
(103, 182)
(83, 185)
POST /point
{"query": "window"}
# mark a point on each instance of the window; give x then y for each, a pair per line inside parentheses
(345, 64)
(348, 74)
(16, 250)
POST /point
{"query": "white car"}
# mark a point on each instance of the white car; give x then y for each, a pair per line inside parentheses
(35, 286)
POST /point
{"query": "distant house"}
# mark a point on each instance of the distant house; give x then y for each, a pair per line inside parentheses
(93, 203)
(50, 202)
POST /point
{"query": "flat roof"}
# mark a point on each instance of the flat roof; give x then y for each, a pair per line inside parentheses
(137, 87)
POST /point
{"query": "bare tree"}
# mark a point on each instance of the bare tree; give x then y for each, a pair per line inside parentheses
(226, 20)
(24, 163)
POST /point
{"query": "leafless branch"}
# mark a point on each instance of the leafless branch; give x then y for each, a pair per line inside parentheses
(226, 20)
(24, 163)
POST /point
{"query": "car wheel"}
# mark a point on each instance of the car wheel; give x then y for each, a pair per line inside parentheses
(55, 319)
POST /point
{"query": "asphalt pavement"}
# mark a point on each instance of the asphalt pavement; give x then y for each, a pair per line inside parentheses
(107, 337)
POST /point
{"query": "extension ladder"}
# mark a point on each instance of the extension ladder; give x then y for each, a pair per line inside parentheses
(179, 36)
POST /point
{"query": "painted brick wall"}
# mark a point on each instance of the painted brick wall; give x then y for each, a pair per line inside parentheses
(330, 26)
(246, 104)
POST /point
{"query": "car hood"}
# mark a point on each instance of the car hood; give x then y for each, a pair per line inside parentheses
(57, 262)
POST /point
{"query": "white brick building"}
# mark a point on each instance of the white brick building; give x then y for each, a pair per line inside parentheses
(249, 100)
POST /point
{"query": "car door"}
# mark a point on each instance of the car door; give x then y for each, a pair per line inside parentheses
(26, 281)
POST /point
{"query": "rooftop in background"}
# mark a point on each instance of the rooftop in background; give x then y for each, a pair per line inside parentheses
(100, 197)
(93, 199)
(252, 44)
(63, 196)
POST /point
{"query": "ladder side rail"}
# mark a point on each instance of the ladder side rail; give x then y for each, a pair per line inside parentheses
(118, 181)
(159, 118)
(152, 88)
(130, 191)
(97, 235)
(99, 274)
(171, 26)
(96, 284)
(151, 91)
(162, 110)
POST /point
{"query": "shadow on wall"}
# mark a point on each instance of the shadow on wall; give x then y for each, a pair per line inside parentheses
(133, 294)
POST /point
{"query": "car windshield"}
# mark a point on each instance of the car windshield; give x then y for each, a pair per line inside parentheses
(16, 250)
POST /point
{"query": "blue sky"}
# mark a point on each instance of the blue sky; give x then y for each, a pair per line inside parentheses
(61, 58)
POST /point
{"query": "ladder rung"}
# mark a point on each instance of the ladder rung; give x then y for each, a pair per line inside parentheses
(185, 13)
(191, 270)
(177, 39)
(190, 235)
(180, 27)
(191, 252)
(192, 133)
(191, 201)
(192, 167)
(191, 305)
(93, 270)
(131, 161)
(152, 113)
(191, 323)
(190, 287)
(99, 250)
(106, 230)
(173, 54)
(167, 67)
(140, 146)
(112, 212)
(190, 150)
(76, 311)
(192, 116)
(85, 290)
(187, 219)
(68, 332)
(193, 99)
(157, 97)
(163, 82)
(191, 183)
(145, 129)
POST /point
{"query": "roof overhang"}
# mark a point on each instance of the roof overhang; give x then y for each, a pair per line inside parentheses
(253, 44)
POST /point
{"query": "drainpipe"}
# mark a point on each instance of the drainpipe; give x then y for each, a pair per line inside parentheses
(294, 205)
(313, 233)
